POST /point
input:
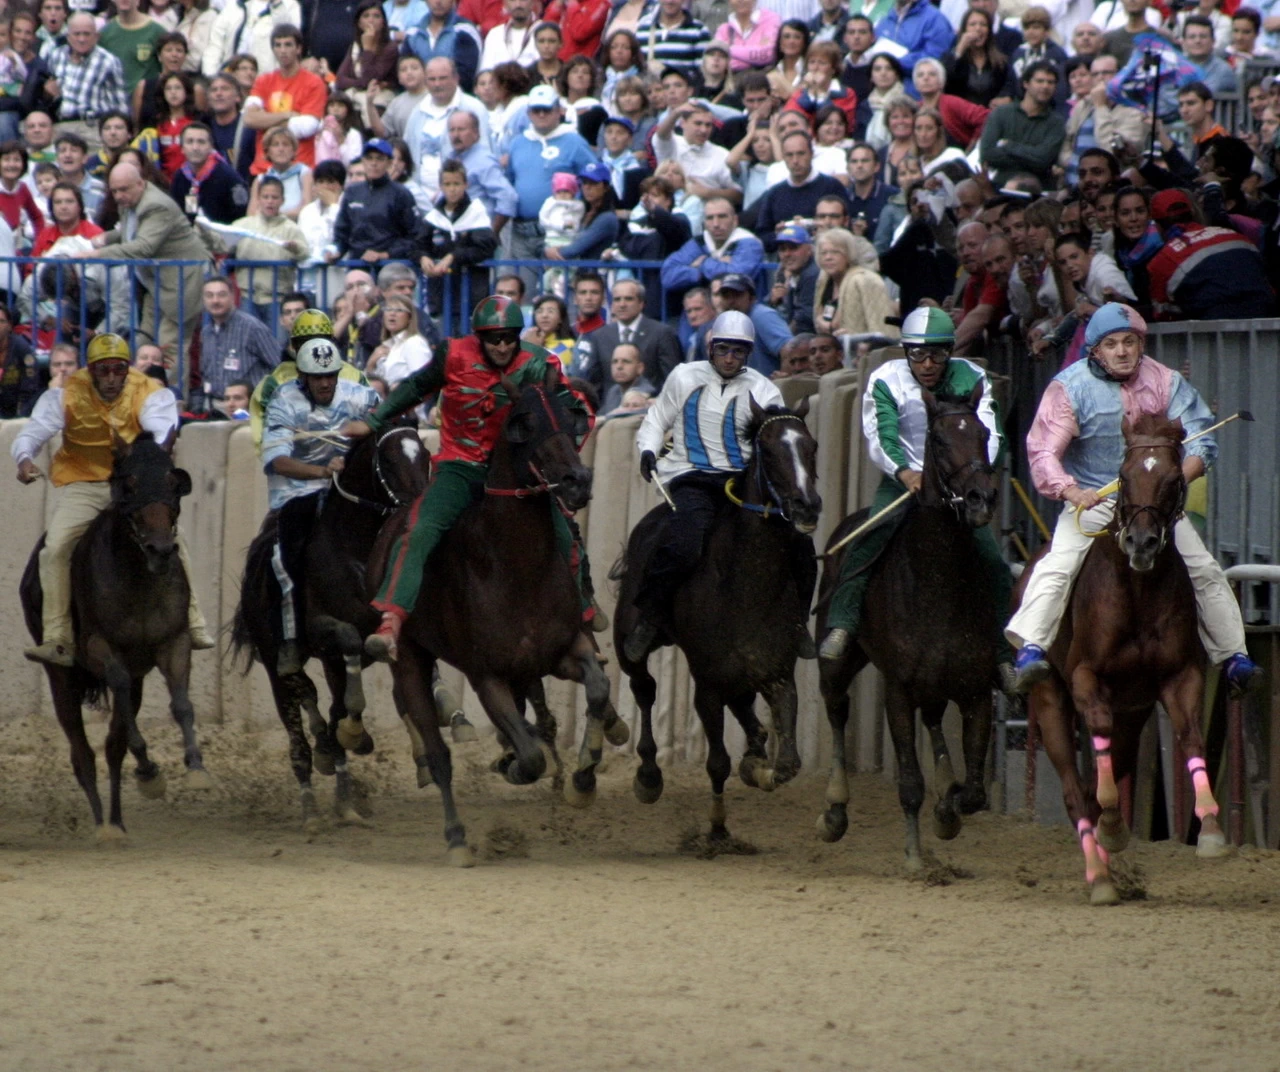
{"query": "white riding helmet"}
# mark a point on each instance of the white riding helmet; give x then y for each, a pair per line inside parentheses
(732, 326)
(319, 357)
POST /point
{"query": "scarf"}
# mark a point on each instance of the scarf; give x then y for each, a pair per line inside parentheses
(206, 169)
(1141, 251)
(738, 234)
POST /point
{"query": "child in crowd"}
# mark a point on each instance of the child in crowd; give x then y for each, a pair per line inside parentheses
(316, 221)
(179, 96)
(339, 137)
(561, 218)
(281, 239)
(627, 370)
(281, 149)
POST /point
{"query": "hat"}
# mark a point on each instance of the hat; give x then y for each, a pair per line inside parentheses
(544, 97)
(716, 46)
(794, 235)
(622, 121)
(1111, 318)
(378, 145)
(928, 325)
(562, 181)
(680, 72)
(737, 281)
(595, 173)
(1172, 206)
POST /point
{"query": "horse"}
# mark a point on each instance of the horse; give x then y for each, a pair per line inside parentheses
(380, 475)
(130, 598)
(928, 625)
(501, 604)
(1129, 639)
(738, 617)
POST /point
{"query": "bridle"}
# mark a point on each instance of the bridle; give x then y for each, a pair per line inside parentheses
(543, 486)
(946, 480)
(773, 504)
(1126, 515)
(397, 503)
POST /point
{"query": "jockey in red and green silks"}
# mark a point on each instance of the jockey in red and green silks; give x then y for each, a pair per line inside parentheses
(467, 373)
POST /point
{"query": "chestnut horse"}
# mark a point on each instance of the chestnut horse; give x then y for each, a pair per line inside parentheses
(1129, 639)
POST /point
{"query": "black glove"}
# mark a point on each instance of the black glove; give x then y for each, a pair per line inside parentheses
(647, 462)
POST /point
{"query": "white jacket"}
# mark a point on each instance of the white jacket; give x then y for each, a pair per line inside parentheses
(246, 27)
(707, 416)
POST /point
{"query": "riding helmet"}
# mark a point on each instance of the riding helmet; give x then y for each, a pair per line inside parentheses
(928, 326)
(108, 348)
(732, 326)
(319, 357)
(1110, 318)
(497, 313)
(311, 324)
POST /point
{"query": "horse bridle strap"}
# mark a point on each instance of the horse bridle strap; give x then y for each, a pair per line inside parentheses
(944, 479)
(764, 510)
(381, 508)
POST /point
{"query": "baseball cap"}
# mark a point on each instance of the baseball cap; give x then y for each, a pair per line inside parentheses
(378, 145)
(595, 173)
(737, 281)
(543, 97)
(716, 46)
(1171, 205)
(622, 121)
(795, 235)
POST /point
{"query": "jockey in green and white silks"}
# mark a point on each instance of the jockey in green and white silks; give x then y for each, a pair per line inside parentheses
(895, 424)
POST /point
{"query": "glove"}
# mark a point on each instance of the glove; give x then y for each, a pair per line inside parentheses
(647, 462)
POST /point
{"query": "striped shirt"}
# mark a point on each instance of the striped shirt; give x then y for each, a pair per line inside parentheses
(241, 349)
(678, 46)
(90, 88)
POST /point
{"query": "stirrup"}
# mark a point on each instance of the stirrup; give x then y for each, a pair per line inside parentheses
(834, 645)
(200, 639)
(383, 645)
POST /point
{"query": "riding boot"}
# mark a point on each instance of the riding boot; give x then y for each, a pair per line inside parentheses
(53, 652)
(383, 645)
(640, 640)
(77, 507)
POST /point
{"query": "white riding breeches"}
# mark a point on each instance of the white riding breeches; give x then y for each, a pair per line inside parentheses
(1045, 600)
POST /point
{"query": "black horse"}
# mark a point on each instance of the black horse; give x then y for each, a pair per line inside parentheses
(739, 617)
(379, 476)
(499, 601)
(129, 603)
(928, 625)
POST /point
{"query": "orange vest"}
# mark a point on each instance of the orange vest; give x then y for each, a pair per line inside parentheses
(88, 421)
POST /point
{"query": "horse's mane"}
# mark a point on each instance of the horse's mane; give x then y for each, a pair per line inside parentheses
(757, 419)
(945, 398)
(1157, 426)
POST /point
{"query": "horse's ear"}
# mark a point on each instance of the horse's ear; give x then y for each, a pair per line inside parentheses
(181, 482)
(756, 411)
(552, 379)
(169, 440)
(930, 403)
(802, 410)
(119, 447)
(975, 396)
(511, 387)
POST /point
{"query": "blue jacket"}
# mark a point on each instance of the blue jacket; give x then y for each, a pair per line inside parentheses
(746, 255)
(772, 334)
(458, 41)
(534, 160)
(923, 31)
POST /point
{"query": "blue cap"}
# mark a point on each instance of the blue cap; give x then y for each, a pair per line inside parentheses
(622, 121)
(796, 235)
(378, 145)
(595, 173)
(1111, 318)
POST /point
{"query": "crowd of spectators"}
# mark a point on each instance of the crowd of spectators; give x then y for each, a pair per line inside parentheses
(823, 166)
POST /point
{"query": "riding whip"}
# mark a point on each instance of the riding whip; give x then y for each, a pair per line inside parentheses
(666, 495)
(869, 523)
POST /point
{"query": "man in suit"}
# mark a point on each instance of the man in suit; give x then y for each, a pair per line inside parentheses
(658, 345)
(153, 227)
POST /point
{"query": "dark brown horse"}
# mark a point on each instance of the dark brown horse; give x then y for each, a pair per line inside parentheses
(928, 625)
(738, 618)
(1129, 639)
(129, 602)
(499, 602)
(379, 476)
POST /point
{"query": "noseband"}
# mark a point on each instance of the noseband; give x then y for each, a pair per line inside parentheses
(945, 480)
(1126, 515)
(381, 508)
(543, 486)
(773, 504)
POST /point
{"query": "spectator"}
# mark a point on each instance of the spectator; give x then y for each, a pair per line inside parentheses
(737, 292)
(848, 298)
(551, 328)
(795, 280)
(281, 149)
(1038, 47)
(931, 142)
(887, 87)
(288, 96)
(548, 40)
(243, 67)
(969, 239)
(1086, 40)
(798, 195)
(704, 163)
(22, 380)
(899, 115)
(411, 73)
(456, 238)
(148, 102)
(67, 219)
(378, 218)
(317, 220)
(622, 60)
(962, 119)
(131, 37)
(1195, 109)
(749, 162)
(428, 128)
(600, 222)
(64, 359)
(867, 194)
(1118, 42)
(486, 183)
(831, 211)
(402, 350)
(368, 69)
(1026, 136)
(671, 37)
(1096, 122)
(830, 21)
(205, 183)
(822, 90)
(993, 302)
(504, 92)
(248, 29)
(825, 354)
(405, 16)
(233, 345)
(857, 39)
(1137, 240)
(786, 75)
(483, 14)
(235, 141)
(73, 152)
(512, 40)
(280, 239)
(977, 71)
(357, 316)
(919, 27)
(1090, 280)
(626, 170)
(18, 205)
(724, 247)
(235, 403)
(578, 85)
(698, 311)
(52, 33)
(1034, 296)
(625, 18)
(1006, 37)
(794, 359)
(340, 137)
(195, 27)
(1246, 24)
(752, 35)
(582, 23)
(626, 371)
(179, 113)
(85, 81)
(588, 298)
(1198, 37)
(658, 345)
(512, 286)
(37, 137)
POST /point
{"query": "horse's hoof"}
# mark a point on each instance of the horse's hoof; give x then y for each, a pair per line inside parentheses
(946, 825)
(1102, 893)
(348, 816)
(350, 733)
(461, 730)
(312, 825)
(322, 762)
(1114, 837)
(575, 798)
(645, 793)
(518, 773)
(832, 824)
(365, 745)
(460, 856)
(152, 788)
(1211, 846)
(616, 732)
(198, 779)
(913, 863)
(110, 834)
(756, 773)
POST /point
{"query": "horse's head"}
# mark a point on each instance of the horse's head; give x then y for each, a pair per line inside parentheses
(785, 462)
(1153, 490)
(147, 490)
(388, 470)
(542, 437)
(957, 465)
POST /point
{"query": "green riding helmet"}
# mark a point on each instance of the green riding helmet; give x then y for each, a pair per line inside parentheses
(928, 326)
(497, 313)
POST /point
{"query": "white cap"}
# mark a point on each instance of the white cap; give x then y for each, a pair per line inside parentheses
(319, 357)
(732, 326)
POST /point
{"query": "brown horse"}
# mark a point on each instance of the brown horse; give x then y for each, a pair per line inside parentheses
(929, 626)
(129, 601)
(499, 602)
(1129, 640)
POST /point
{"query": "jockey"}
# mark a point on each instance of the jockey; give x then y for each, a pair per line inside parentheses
(299, 468)
(1075, 444)
(468, 375)
(895, 424)
(705, 406)
(105, 398)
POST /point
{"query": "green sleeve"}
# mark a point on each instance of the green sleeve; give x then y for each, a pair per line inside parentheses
(426, 381)
(887, 424)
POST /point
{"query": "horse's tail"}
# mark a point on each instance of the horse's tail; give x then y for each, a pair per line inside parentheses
(619, 568)
(250, 615)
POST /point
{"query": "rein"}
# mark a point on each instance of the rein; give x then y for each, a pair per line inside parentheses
(1119, 526)
(944, 480)
(359, 500)
(773, 503)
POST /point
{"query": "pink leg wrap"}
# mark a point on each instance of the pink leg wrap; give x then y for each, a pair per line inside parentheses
(1106, 774)
(1205, 804)
(1094, 864)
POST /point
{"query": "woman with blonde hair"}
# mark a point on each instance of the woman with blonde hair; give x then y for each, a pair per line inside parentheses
(403, 350)
(848, 299)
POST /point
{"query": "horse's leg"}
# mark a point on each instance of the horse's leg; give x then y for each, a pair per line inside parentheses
(835, 678)
(710, 706)
(1182, 696)
(547, 728)
(753, 768)
(417, 745)
(647, 784)
(335, 639)
(499, 702)
(336, 675)
(450, 708)
(412, 672)
(976, 716)
(902, 728)
(150, 778)
(946, 820)
(174, 663)
(781, 697)
(291, 693)
(67, 701)
(1055, 718)
(582, 665)
(117, 746)
(1093, 703)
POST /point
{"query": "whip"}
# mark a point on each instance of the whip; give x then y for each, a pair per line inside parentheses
(869, 523)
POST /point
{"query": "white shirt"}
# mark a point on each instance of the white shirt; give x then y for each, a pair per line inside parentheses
(1103, 273)
(804, 10)
(158, 415)
(407, 354)
(503, 44)
(705, 162)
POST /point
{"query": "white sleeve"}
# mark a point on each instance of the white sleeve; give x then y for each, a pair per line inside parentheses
(660, 418)
(44, 423)
(303, 126)
(765, 393)
(213, 58)
(987, 415)
(1109, 275)
(665, 148)
(159, 414)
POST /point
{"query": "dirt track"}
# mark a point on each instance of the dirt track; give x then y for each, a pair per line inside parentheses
(221, 937)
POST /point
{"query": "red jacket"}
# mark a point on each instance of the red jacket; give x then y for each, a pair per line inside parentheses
(582, 24)
(962, 119)
(842, 97)
(484, 13)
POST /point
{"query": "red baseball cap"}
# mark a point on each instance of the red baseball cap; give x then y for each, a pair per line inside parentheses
(1172, 206)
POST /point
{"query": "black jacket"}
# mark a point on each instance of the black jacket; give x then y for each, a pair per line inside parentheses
(223, 196)
(470, 246)
(381, 216)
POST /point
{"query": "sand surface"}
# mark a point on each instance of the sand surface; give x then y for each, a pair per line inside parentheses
(223, 937)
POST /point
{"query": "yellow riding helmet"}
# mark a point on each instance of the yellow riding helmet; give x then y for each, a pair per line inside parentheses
(311, 324)
(108, 348)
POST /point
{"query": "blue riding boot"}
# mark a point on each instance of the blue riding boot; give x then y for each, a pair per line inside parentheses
(1030, 665)
(1242, 673)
